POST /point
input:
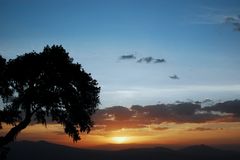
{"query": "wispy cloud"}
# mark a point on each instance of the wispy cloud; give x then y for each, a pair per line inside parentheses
(151, 60)
(159, 61)
(148, 59)
(174, 77)
(204, 129)
(217, 16)
(234, 20)
(145, 59)
(208, 19)
(126, 57)
(160, 128)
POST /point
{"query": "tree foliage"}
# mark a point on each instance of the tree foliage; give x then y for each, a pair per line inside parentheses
(34, 86)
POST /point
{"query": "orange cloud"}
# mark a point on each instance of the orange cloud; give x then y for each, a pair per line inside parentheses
(204, 129)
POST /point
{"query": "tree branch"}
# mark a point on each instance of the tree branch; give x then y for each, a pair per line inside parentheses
(11, 135)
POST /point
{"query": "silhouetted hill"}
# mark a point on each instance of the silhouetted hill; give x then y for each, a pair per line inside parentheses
(42, 150)
(202, 151)
(112, 146)
(47, 151)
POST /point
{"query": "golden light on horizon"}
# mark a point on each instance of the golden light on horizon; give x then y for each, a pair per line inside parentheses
(120, 140)
(168, 133)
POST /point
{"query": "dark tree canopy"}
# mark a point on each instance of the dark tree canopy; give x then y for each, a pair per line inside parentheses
(34, 86)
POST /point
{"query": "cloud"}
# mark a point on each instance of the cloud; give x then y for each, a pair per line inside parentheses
(201, 129)
(145, 59)
(59, 132)
(208, 19)
(217, 16)
(174, 76)
(138, 116)
(160, 128)
(229, 107)
(207, 100)
(119, 113)
(159, 60)
(234, 20)
(99, 127)
(126, 57)
(178, 102)
(150, 60)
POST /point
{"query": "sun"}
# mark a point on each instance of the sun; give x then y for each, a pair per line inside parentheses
(119, 140)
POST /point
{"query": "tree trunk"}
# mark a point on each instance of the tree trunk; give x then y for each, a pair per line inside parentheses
(11, 135)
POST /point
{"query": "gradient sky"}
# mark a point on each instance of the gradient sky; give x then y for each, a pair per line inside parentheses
(197, 42)
(192, 36)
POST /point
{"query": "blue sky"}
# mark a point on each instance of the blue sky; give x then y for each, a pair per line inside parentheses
(199, 46)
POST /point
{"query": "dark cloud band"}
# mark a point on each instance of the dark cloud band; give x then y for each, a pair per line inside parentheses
(117, 117)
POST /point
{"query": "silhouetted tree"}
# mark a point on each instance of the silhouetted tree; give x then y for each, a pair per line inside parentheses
(34, 86)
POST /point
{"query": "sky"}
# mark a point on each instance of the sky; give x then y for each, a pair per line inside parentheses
(193, 37)
(141, 52)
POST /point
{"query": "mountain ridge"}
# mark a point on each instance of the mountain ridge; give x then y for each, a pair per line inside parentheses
(39, 150)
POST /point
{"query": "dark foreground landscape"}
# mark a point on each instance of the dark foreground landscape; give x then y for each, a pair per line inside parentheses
(47, 151)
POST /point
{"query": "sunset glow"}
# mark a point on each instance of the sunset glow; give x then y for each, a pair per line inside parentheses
(212, 133)
(119, 140)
